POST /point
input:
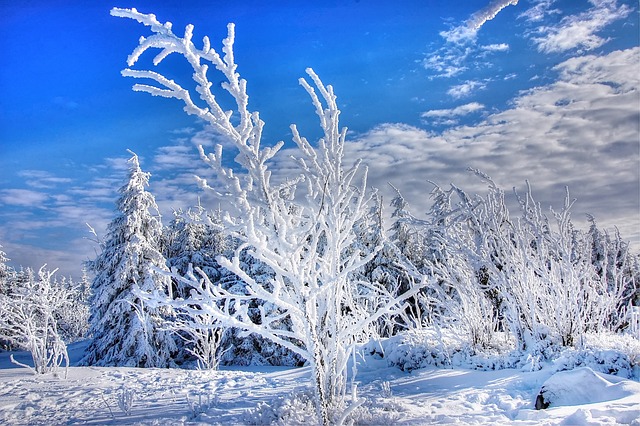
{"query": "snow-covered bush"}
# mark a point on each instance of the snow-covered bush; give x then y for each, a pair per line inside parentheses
(126, 397)
(437, 347)
(607, 353)
(194, 237)
(458, 297)
(619, 268)
(296, 409)
(201, 403)
(303, 229)
(124, 330)
(202, 335)
(554, 284)
(536, 275)
(28, 320)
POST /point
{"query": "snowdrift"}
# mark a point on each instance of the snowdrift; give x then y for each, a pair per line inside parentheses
(584, 386)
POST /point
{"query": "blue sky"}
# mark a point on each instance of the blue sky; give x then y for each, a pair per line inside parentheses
(538, 90)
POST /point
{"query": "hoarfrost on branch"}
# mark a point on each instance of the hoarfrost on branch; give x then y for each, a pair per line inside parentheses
(307, 238)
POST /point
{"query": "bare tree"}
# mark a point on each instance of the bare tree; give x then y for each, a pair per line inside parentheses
(302, 229)
(28, 320)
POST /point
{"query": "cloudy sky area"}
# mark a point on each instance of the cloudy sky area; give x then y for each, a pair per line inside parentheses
(539, 90)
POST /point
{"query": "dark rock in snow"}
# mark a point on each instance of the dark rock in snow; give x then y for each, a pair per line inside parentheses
(541, 404)
(582, 386)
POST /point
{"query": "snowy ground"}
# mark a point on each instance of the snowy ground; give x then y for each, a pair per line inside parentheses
(91, 395)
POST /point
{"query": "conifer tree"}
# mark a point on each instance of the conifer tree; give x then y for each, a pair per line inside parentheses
(4, 270)
(386, 269)
(124, 331)
(194, 237)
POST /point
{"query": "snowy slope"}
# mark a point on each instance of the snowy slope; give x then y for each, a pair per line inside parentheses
(90, 395)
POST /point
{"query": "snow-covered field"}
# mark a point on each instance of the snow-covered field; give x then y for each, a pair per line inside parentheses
(263, 395)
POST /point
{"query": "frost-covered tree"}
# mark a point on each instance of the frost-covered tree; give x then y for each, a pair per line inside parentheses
(194, 237)
(406, 232)
(388, 268)
(536, 269)
(125, 331)
(73, 322)
(617, 266)
(5, 277)
(438, 246)
(7, 273)
(4, 269)
(534, 274)
(28, 319)
(302, 228)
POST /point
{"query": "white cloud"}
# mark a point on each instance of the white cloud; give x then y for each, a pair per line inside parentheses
(175, 156)
(581, 131)
(460, 40)
(465, 89)
(66, 261)
(580, 31)
(450, 116)
(35, 221)
(185, 131)
(479, 18)
(23, 197)
(500, 47)
(461, 34)
(540, 11)
(41, 179)
(118, 164)
(467, 31)
(618, 68)
(447, 62)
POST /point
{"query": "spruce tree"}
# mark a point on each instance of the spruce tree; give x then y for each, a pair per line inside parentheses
(4, 271)
(194, 237)
(124, 331)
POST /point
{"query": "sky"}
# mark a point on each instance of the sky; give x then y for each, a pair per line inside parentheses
(544, 91)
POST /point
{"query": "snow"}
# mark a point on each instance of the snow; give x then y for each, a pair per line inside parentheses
(279, 395)
(584, 386)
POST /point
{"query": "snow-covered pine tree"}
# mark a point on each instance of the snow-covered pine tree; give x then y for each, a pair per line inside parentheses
(404, 230)
(73, 322)
(124, 330)
(615, 264)
(194, 237)
(303, 237)
(388, 268)
(6, 275)
(6, 272)
(420, 247)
